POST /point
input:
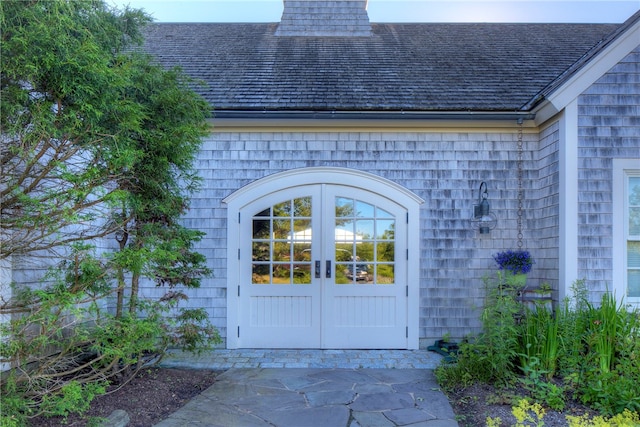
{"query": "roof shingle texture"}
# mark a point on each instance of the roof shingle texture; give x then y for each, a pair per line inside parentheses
(400, 67)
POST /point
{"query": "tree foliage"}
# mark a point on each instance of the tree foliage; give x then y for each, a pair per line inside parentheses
(158, 183)
(63, 115)
(98, 143)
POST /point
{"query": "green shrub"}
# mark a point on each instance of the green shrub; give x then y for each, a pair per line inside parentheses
(66, 348)
(594, 349)
(491, 357)
(72, 397)
(543, 391)
(540, 340)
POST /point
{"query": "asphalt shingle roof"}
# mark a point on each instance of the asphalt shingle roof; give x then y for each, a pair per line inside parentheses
(401, 67)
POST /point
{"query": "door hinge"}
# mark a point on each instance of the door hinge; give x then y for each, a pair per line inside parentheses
(238, 217)
(406, 288)
(407, 217)
(407, 254)
(238, 290)
(406, 332)
(238, 254)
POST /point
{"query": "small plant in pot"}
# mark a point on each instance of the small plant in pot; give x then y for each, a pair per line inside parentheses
(515, 265)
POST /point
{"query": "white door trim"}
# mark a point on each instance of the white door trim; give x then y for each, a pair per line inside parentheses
(323, 175)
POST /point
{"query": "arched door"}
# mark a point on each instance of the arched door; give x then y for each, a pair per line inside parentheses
(322, 265)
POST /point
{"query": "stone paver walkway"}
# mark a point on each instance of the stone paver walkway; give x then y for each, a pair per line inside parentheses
(352, 359)
(318, 397)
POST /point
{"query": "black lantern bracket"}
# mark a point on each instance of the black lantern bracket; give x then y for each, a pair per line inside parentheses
(482, 211)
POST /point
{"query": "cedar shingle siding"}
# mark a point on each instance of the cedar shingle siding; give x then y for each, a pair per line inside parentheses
(608, 128)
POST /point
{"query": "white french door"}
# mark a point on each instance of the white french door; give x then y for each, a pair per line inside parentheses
(322, 266)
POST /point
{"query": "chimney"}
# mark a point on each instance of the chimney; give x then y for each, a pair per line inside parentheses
(337, 18)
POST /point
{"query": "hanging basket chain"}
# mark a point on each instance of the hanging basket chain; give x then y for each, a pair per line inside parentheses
(520, 191)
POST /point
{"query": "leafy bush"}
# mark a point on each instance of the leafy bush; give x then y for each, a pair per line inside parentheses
(539, 340)
(66, 348)
(543, 391)
(600, 356)
(593, 350)
(491, 357)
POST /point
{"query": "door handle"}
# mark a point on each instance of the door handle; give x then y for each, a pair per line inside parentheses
(317, 269)
(328, 275)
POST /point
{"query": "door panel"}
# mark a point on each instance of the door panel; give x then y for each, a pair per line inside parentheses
(279, 293)
(324, 270)
(365, 305)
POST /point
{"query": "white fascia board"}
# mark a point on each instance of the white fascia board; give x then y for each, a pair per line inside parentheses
(544, 112)
(568, 199)
(598, 66)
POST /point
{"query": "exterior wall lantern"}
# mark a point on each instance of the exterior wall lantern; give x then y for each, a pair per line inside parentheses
(482, 211)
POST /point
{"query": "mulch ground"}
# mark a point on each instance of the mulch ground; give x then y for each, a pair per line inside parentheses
(148, 399)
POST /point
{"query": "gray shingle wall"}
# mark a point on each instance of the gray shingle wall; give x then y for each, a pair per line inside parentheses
(547, 208)
(609, 127)
(445, 169)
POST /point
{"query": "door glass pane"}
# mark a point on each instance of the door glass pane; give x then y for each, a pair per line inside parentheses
(385, 229)
(281, 228)
(364, 243)
(385, 252)
(281, 251)
(381, 213)
(302, 230)
(302, 252)
(261, 251)
(282, 209)
(261, 229)
(364, 251)
(634, 222)
(344, 233)
(364, 210)
(281, 243)
(260, 274)
(364, 229)
(344, 207)
(341, 273)
(385, 274)
(281, 274)
(302, 207)
(301, 273)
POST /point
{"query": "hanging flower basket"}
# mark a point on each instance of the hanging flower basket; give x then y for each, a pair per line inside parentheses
(515, 266)
(515, 262)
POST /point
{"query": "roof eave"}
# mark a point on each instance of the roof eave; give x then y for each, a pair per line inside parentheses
(278, 118)
(586, 71)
